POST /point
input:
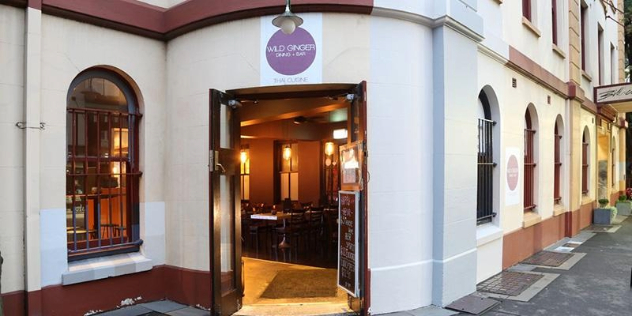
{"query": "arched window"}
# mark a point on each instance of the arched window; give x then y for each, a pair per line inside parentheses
(485, 185)
(585, 161)
(557, 194)
(102, 165)
(529, 163)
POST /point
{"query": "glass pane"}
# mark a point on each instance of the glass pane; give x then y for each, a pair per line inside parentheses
(98, 93)
(225, 132)
(104, 137)
(92, 135)
(226, 234)
(80, 135)
(285, 186)
(294, 157)
(246, 188)
(294, 186)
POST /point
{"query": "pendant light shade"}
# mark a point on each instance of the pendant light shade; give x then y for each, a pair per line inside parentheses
(288, 21)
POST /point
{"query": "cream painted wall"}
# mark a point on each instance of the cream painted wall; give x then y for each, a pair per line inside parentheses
(400, 164)
(597, 16)
(163, 3)
(64, 55)
(12, 154)
(226, 56)
(587, 120)
(513, 104)
(538, 48)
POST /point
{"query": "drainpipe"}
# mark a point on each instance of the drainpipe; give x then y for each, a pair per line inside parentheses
(32, 128)
(1, 309)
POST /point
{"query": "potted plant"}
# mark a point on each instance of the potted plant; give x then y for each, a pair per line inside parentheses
(604, 214)
(624, 206)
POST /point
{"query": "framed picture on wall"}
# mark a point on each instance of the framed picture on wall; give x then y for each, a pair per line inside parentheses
(351, 159)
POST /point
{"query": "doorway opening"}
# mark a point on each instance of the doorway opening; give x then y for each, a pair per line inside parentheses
(289, 181)
(278, 160)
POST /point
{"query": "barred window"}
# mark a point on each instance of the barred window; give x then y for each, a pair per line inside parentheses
(557, 194)
(486, 164)
(102, 166)
(585, 162)
(529, 164)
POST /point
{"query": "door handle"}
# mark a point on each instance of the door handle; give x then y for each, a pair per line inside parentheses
(222, 167)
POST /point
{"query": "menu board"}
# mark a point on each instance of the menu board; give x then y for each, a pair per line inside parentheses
(348, 241)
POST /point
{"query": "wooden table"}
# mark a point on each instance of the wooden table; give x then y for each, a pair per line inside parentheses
(275, 217)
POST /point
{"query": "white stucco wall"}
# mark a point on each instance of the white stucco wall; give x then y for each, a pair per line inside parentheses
(12, 154)
(538, 48)
(400, 141)
(65, 53)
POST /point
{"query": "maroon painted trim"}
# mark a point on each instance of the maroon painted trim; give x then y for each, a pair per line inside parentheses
(14, 3)
(535, 72)
(35, 4)
(14, 303)
(139, 18)
(195, 14)
(589, 106)
(124, 15)
(185, 286)
(34, 303)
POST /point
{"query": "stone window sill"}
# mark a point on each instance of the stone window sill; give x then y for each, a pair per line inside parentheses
(487, 233)
(559, 51)
(531, 27)
(586, 75)
(530, 219)
(105, 267)
(558, 210)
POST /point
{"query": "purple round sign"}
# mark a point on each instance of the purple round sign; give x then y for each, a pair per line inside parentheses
(291, 54)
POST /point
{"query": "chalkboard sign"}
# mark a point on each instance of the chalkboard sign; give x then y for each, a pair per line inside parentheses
(348, 241)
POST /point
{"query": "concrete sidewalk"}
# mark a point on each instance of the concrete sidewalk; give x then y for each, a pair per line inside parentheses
(597, 284)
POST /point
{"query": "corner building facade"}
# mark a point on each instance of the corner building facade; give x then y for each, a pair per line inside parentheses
(453, 90)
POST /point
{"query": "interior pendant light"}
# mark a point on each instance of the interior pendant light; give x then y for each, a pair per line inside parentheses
(287, 152)
(243, 156)
(288, 21)
(329, 148)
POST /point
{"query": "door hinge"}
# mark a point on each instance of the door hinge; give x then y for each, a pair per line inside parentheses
(211, 160)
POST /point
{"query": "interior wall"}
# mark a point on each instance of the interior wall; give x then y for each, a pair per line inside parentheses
(261, 170)
(309, 171)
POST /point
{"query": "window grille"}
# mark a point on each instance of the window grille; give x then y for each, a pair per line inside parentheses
(585, 166)
(485, 188)
(101, 170)
(557, 195)
(529, 166)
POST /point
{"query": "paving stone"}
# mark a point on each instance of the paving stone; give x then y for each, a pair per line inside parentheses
(189, 311)
(547, 258)
(509, 283)
(163, 306)
(135, 310)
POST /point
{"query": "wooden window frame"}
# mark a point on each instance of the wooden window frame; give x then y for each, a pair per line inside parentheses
(111, 171)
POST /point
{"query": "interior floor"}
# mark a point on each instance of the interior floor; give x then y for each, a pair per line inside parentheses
(259, 274)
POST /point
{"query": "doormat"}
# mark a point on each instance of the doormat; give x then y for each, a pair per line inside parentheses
(302, 283)
(547, 258)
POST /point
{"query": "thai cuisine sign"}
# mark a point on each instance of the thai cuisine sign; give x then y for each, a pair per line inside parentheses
(292, 58)
(613, 93)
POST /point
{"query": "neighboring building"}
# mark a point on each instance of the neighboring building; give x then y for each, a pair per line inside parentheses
(464, 107)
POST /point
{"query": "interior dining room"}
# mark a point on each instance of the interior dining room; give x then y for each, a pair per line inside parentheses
(289, 208)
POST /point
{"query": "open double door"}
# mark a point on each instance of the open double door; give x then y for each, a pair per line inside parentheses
(225, 196)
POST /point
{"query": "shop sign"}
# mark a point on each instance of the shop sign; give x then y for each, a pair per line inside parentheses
(348, 219)
(614, 93)
(291, 58)
(512, 169)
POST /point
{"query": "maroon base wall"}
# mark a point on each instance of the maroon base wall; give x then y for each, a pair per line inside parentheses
(525, 242)
(181, 285)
